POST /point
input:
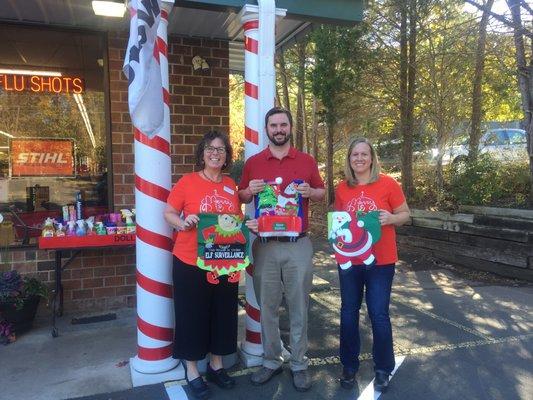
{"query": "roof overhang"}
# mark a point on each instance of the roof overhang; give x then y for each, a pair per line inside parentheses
(214, 19)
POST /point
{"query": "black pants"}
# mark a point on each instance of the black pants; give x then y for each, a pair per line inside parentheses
(205, 314)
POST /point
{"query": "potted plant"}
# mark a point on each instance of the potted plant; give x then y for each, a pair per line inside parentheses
(19, 299)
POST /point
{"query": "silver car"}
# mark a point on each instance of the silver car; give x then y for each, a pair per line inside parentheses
(502, 144)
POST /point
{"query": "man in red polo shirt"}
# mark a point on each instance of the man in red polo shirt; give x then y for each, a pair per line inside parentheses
(282, 266)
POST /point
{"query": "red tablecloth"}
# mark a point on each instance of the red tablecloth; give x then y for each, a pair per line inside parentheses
(79, 242)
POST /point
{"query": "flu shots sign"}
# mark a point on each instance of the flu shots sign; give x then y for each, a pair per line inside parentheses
(41, 157)
(41, 84)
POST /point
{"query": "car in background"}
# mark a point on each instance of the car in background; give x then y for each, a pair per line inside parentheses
(502, 144)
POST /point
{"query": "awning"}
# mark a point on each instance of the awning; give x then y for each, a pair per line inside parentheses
(215, 19)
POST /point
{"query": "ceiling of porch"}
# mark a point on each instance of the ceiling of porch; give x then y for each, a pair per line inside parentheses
(194, 22)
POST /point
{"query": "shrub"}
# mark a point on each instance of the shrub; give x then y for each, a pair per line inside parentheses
(484, 182)
(488, 182)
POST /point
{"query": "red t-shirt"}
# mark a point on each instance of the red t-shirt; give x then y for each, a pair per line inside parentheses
(384, 194)
(193, 195)
(295, 165)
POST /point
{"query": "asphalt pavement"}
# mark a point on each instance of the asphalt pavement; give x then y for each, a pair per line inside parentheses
(457, 334)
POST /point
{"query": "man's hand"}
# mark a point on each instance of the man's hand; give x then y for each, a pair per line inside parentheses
(304, 189)
(256, 186)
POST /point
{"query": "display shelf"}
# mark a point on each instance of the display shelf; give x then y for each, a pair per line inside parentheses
(80, 242)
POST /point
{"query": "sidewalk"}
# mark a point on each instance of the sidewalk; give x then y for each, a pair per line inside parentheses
(462, 337)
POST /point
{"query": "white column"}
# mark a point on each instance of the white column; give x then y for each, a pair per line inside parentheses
(259, 76)
(155, 308)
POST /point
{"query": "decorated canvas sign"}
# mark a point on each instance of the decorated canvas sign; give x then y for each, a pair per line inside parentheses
(352, 236)
(222, 248)
(279, 212)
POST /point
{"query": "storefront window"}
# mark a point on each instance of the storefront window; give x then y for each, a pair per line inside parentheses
(53, 135)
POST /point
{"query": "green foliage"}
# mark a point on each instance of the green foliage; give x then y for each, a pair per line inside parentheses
(339, 59)
(489, 182)
(17, 289)
(236, 170)
(484, 182)
(236, 114)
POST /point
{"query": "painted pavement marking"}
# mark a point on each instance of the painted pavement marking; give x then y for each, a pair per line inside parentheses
(400, 354)
(397, 299)
(336, 307)
(176, 392)
(369, 393)
(485, 340)
(335, 360)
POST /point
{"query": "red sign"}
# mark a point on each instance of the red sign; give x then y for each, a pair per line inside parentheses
(41, 157)
(38, 83)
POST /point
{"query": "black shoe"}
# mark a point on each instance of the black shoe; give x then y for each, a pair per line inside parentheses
(381, 382)
(199, 388)
(219, 377)
(347, 378)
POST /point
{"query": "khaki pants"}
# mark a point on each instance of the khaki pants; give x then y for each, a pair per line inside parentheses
(283, 268)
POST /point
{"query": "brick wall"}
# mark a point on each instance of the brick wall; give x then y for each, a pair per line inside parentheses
(94, 280)
(199, 101)
(105, 278)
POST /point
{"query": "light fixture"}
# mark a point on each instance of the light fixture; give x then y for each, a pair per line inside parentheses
(199, 63)
(29, 72)
(7, 134)
(109, 8)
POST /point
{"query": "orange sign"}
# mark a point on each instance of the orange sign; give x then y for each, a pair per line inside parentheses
(37, 83)
(41, 157)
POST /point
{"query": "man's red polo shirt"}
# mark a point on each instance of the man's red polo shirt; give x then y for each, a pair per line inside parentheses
(295, 165)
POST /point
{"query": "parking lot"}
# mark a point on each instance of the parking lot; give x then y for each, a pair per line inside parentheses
(457, 334)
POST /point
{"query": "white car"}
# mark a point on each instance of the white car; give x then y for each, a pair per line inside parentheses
(502, 144)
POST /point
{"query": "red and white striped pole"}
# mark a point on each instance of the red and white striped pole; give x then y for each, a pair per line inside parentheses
(253, 144)
(259, 81)
(155, 308)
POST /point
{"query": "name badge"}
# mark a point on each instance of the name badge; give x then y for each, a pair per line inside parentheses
(229, 190)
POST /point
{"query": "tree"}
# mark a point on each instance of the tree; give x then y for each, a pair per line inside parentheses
(338, 63)
(525, 80)
(445, 49)
(477, 99)
(409, 15)
(284, 80)
(300, 103)
(236, 114)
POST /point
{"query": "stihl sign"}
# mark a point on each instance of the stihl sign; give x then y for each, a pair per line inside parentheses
(42, 157)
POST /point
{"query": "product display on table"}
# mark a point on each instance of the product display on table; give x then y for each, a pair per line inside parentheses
(352, 236)
(222, 248)
(279, 213)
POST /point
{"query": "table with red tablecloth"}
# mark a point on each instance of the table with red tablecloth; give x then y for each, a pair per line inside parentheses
(76, 244)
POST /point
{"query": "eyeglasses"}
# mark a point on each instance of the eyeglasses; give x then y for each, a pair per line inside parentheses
(211, 149)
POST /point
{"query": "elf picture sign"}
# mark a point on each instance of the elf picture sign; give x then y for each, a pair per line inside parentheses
(352, 236)
(222, 248)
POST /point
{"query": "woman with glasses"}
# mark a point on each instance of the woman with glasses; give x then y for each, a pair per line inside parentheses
(205, 309)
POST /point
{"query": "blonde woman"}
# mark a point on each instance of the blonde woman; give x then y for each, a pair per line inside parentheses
(366, 189)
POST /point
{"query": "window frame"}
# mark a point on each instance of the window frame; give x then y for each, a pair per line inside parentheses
(104, 38)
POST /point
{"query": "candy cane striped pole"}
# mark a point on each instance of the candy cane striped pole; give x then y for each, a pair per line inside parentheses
(155, 308)
(259, 81)
(252, 128)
